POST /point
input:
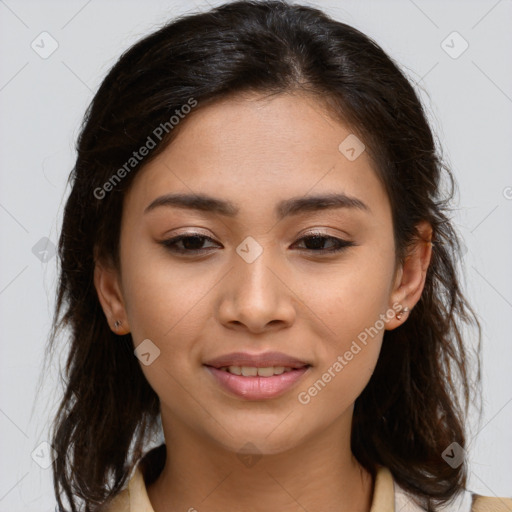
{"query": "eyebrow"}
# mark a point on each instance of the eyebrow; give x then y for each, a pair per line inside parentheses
(284, 208)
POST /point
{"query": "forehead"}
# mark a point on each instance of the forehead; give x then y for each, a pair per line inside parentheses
(256, 150)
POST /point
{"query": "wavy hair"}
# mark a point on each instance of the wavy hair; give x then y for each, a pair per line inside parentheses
(416, 402)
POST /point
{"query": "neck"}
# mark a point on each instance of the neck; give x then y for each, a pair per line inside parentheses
(319, 475)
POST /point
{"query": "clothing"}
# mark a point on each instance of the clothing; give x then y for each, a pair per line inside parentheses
(388, 496)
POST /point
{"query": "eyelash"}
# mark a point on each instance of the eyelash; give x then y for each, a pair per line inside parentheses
(170, 244)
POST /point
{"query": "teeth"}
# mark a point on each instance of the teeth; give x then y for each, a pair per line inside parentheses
(235, 369)
(248, 371)
(251, 371)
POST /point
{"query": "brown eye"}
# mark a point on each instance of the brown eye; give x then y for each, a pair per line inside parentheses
(316, 243)
(191, 243)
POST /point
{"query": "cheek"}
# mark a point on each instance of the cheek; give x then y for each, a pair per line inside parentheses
(170, 304)
(350, 305)
(350, 352)
(351, 327)
(161, 296)
(167, 306)
(335, 387)
(350, 297)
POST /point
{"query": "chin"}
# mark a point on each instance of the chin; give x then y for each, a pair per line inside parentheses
(259, 439)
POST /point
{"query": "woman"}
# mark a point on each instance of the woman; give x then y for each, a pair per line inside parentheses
(257, 262)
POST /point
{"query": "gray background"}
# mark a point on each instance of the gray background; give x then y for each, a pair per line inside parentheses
(469, 100)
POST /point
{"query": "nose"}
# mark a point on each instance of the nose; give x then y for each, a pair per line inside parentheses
(256, 296)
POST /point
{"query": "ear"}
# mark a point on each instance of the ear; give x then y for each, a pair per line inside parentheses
(410, 278)
(108, 288)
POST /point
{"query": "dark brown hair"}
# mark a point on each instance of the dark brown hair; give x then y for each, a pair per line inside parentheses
(416, 402)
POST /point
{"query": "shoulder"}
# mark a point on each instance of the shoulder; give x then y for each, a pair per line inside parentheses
(491, 504)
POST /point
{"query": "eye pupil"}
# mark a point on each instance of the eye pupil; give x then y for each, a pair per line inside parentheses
(197, 242)
(315, 242)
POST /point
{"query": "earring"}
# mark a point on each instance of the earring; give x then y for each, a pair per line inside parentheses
(117, 323)
(401, 312)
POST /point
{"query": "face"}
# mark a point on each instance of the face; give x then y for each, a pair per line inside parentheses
(261, 274)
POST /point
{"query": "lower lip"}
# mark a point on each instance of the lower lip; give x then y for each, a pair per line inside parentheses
(257, 388)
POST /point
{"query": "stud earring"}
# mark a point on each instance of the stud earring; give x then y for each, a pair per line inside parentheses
(117, 323)
(401, 313)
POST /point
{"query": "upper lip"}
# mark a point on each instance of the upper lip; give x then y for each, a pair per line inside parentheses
(262, 360)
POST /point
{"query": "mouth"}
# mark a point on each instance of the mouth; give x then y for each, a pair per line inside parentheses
(257, 376)
(256, 387)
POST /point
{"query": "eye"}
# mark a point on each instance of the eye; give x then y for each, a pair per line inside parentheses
(192, 243)
(316, 242)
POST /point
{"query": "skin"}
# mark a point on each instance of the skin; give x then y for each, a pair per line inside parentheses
(256, 151)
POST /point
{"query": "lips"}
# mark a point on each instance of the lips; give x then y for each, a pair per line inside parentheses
(258, 388)
(263, 360)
